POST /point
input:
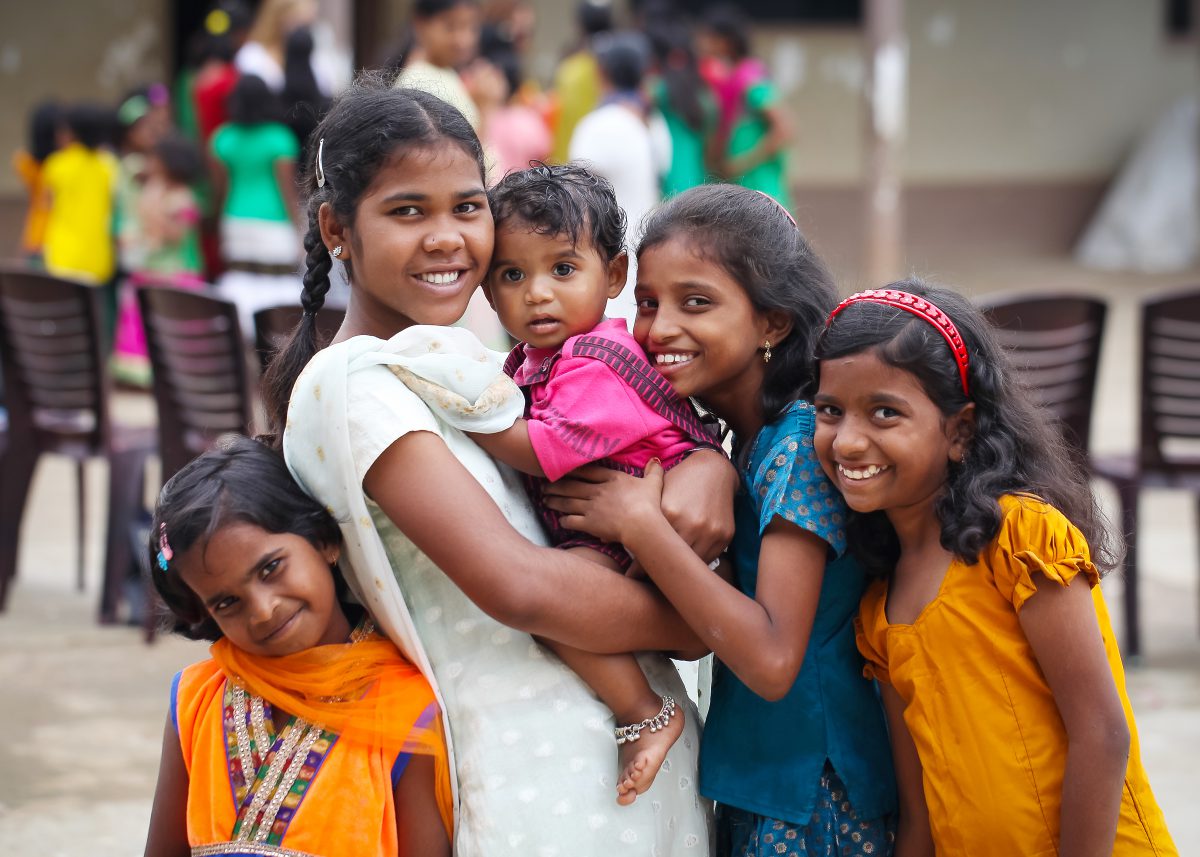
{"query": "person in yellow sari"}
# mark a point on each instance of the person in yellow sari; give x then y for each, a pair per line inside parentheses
(306, 732)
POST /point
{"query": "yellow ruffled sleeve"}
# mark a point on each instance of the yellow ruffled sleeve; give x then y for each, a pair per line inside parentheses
(1035, 537)
(870, 631)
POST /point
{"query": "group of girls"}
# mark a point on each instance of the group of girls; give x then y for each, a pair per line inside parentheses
(894, 575)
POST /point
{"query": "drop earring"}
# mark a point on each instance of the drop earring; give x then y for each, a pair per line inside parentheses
(766, 351)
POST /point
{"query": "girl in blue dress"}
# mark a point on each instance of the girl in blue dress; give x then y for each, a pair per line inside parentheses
(794, 751)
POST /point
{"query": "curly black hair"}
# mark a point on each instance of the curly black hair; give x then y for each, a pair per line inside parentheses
(239, 481)
(568, 200)
(1015, 448)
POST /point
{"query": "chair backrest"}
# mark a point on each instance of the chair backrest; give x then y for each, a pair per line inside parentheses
(1170, 425)
(1054, 344)
(55, 384)
(273, 326)
(201, 383)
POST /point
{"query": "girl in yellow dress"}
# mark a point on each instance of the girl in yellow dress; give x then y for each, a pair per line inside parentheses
(1011, 729)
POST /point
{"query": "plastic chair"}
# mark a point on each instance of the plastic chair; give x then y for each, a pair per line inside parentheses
(201, 379)
(1168, 451)
(57, 396)
(1054, 344)
(273, 326)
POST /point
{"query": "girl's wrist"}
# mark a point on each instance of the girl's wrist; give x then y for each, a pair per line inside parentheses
(643, 529)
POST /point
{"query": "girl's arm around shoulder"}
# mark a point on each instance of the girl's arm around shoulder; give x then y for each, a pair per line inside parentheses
(419, 828)
(1059, 620)
(913, 836)
(167, 836)
(442, 508)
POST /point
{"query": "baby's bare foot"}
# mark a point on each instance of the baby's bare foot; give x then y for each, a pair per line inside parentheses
(641, 758)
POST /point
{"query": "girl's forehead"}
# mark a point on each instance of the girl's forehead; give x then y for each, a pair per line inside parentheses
(441, 166)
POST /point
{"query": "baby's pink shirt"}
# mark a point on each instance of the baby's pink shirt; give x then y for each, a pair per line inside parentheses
(584, 411)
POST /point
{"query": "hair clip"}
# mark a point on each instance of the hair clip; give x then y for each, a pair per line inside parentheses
(923, 309)
(320, 166)
(786, 213)
(165, 554)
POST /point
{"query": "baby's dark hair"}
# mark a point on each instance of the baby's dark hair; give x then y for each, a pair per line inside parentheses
(181, 158)
(369, 123)
(567, 200)
(1015, 447)
(241, 481)
(756, 242)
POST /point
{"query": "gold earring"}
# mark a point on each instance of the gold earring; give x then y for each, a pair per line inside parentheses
(766, 351)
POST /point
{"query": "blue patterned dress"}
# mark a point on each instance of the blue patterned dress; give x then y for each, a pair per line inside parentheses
(810, 774)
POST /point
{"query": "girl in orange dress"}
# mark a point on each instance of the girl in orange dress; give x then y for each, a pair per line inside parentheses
(306, 732)
(1011, 729)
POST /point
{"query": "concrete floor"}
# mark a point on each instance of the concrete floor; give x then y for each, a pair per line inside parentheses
(84, 705)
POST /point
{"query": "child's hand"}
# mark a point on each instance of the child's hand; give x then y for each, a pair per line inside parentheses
(607, 503)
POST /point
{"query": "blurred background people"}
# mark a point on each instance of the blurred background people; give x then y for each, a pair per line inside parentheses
(682, 97)
(577, 78)
(29, 163)
(253, 163)
(625, 141)
(753, 134)
(443, 41)
(164, 250)
(78, 185)
(304, 103)
(264, 52)
(517, 132)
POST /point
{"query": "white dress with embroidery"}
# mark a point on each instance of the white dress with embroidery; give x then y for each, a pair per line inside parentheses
(532, 746)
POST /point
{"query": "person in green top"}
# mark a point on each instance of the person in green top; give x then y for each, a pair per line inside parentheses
(753, 132)
(683, 99)
(253, 160)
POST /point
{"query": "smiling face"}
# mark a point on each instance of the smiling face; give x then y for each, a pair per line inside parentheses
(271, 594)
(546, 289)
(880, 438)
(420, 242)
(700, 329)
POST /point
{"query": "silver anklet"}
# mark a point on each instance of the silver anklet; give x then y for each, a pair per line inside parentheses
(629, 734)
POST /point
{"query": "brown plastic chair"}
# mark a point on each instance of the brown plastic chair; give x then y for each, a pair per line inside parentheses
(273, 326)
(201, 377)
(1168, 452)
(57, 397)
(1054, 344)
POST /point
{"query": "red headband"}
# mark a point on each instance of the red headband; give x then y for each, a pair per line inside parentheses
(922, 309)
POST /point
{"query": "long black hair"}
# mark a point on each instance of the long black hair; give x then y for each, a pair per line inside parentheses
(758, 245)
(241, 481)
(1015, 447)
(366, 125)
(671, 40)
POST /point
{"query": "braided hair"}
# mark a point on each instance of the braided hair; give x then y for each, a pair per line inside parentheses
(363, 129)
